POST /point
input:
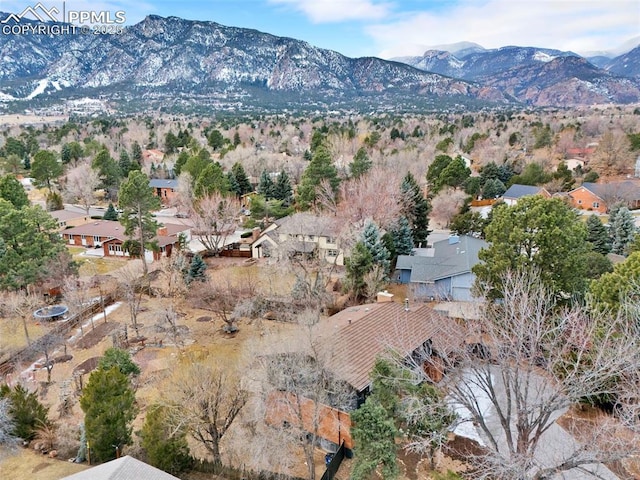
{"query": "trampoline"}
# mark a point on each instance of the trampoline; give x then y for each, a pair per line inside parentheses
(51, 313)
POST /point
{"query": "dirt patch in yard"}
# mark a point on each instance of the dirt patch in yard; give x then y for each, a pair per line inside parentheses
(94, 336)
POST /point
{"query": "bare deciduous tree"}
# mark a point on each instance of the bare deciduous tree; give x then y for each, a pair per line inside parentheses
(81, 184)
(21, 304)
(77, 296)
(130, 281)
(445, 205)
(183, 200)
(173, 273)
(215, 218)
(529, 363)
(374, 196)
(613, 155)
(205, 399)
(297, 389)
(168, 324)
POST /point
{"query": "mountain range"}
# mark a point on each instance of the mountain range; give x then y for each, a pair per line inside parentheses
(175, 63)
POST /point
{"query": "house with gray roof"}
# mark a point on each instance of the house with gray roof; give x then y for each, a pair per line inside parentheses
(600, 197)
(444, 273)
(301, 233)
(165, 189)
(123, 468)
(515, 192)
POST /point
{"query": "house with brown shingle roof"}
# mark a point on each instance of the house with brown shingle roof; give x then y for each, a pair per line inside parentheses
(109, 236)
(357, 336)
(66, 218)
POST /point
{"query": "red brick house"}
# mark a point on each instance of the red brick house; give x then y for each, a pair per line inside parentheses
(599, 197)
(165, 189)
(109, 236)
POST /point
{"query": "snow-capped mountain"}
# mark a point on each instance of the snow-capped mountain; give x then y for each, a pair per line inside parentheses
(164, 62)
(540, 76)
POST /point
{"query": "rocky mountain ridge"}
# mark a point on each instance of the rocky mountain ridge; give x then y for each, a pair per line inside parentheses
(171, 61)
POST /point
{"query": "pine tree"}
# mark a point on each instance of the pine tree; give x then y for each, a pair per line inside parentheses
(361, 163)
(623, 230)
(124, 162)
(136, 154)
(372, 241)
(27, 412)
(597, 235)
(242, 180)
(166, 448)
(402, 237)
(138, 202)
(211, 179)
(111, 213)
(233, 184)
(197, 270)
(12, 191)
(374, 434)
(108, 403)
(266, 188)
(282, 189)
(121, 359)
(357, 266)
(65, 154)
(415, 208)
(320, 168)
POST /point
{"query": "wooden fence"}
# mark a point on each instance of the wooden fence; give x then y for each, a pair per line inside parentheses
(32, 352)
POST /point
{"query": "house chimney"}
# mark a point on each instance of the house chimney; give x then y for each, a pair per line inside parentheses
(162, 231)
(406, 304)
(384, 297)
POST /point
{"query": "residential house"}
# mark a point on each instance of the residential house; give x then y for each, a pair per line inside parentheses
(355, 337)
(599, 197)
(300, 234)
(515, 192)
(350, 342)
(444, 272)
(109, 236)
(123, 468)
(165, 189)
(67, 219)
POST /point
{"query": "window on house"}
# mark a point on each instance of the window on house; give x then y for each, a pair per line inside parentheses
(331, 240)
(596, 205)
(332, 253)
(96, 239)
(579, 202)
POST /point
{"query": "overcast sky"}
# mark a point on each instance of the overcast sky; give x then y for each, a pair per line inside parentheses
(389, 28)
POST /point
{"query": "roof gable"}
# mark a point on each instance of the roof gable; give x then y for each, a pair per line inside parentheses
(627, 189)
(450, 258)
(364, 332)
(518, 191)
(306, 224)
(163, 183)
(123, 468)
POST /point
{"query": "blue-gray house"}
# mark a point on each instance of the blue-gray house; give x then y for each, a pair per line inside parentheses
(444, 273)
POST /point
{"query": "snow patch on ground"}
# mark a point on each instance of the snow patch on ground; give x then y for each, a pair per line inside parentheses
(4, 97)
(465, 427)
(42, 85)
(543, 57)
